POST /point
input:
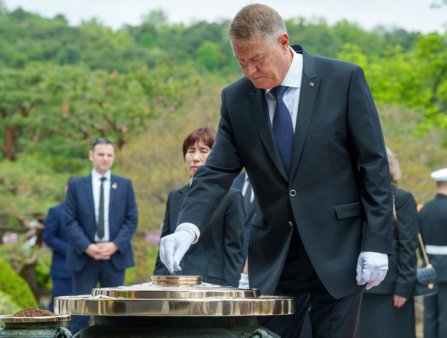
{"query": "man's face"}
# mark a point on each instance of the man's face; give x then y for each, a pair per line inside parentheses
(102, 157)
(264, 63)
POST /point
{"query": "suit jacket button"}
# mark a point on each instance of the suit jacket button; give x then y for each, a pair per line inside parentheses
(292, 192)
(290, 223)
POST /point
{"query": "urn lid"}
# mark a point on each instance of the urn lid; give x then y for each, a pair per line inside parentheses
(170, 296)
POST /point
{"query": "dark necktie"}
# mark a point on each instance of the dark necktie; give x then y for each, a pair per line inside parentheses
(100, 224)
(282, 128)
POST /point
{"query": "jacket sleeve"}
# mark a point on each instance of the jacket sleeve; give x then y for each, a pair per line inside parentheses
(407, 229)
(129, 225)
(368, 146)
(50, 232)
(160, 268)
(75, 232)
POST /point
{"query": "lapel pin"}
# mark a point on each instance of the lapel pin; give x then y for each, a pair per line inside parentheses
(114, 185)
(311, 84)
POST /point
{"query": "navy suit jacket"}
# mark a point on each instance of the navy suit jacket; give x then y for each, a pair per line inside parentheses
(80, 222)
(55, 237)
(338, 193)
(218, 256)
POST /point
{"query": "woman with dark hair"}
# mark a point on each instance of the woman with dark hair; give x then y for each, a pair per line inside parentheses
(218, 256)
(387, 310)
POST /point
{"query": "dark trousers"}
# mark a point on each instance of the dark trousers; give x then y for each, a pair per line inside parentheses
(61, 287)
(84, 281)
(435, 313)
(329, 317)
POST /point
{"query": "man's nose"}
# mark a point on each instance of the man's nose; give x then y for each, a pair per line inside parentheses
(250, 68)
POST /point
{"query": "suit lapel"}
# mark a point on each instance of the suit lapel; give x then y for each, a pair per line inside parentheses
(309, 89)
(261, 117)
(113, 193)
(89, 194)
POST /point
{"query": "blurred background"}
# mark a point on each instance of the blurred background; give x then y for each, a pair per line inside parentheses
(147, 74)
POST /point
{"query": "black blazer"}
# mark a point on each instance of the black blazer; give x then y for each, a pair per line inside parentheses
(338, 194)
(218, 256)
(401, 275)
(433, 223)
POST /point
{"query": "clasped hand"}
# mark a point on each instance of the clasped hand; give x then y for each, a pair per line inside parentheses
(371, 268)
(101, 251)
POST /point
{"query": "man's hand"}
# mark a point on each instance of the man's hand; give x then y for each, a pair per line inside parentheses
(371, 268)
(101, 251)
(107, 249)
(173, 247)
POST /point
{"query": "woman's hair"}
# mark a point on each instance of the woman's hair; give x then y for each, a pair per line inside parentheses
(394, 167)
(256, 20)
(204, 134)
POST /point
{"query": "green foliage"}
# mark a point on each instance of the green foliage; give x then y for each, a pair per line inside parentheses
(15, 287)
(28, 188)
(210, 55)
(43, 271)
(7, 304)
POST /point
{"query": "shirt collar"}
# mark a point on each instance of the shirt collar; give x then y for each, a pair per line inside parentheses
(295, 72)
(97, 176)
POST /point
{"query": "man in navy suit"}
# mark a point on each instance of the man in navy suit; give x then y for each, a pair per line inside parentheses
(307, 132)
(100, 218)
(55, 237)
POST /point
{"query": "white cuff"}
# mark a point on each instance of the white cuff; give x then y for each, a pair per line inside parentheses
(193, 229)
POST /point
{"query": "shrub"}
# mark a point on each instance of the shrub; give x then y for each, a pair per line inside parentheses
(15, 286)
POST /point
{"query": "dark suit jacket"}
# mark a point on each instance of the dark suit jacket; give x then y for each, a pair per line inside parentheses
(218, 256)
(433, 223)
(401, 275)
(80, 221)
(55, 237)
(338, 194)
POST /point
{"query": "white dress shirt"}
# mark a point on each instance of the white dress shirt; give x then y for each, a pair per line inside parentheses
(292, 96)
(96, 184)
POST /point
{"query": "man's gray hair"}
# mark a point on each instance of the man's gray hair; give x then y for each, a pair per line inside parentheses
(256, 20)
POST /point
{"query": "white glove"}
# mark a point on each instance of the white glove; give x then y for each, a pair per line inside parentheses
(243, 282)
(173, 247)
(371, 268)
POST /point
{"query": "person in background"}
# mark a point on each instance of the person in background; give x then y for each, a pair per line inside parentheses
(387, 310)
(54, 235)
(219, 256)
(307, 132)
(433, 223)
(101, 217)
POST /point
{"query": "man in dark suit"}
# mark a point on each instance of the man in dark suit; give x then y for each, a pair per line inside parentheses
(100, 219)
(318, 166)
(55, 237)
(433, 223)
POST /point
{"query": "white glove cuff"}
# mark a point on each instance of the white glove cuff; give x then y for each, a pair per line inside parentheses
(191, 228)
